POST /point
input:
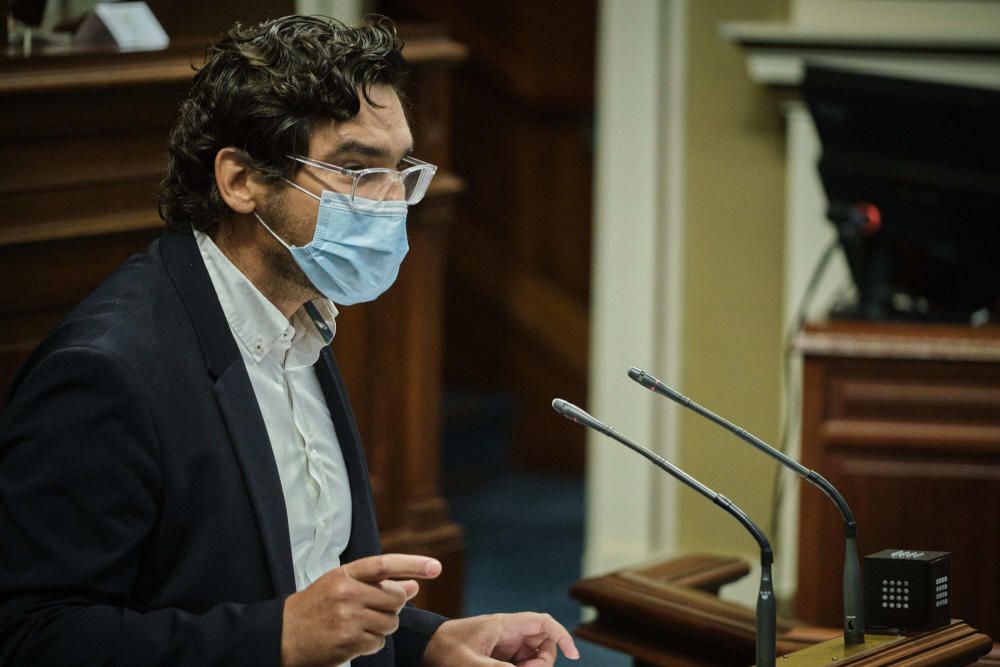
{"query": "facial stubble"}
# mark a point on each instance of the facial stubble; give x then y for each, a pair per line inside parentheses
(286, 278)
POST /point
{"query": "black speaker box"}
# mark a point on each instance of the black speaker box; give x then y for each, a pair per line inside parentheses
(907, 590)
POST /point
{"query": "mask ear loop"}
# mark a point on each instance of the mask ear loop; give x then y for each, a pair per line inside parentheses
(271, 232)
(299, 187)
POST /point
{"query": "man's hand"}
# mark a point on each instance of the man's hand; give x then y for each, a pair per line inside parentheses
(350, 610)
(526, 639)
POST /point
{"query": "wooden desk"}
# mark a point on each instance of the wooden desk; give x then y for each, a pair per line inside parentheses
(668, 615)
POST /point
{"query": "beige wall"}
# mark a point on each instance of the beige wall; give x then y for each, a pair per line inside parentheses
(732, 308)
(351, 12)
(688, 267)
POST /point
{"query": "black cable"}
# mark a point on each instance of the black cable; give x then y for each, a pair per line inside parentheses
(791, 395)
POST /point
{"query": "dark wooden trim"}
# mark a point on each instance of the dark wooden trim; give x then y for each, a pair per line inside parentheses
(65, 69)
(901, 341)
(444, 185)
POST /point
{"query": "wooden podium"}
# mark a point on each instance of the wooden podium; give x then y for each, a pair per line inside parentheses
(669, 614)
(904, 419)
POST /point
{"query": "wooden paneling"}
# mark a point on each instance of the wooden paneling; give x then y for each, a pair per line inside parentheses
(82, 150)
(905, 422)
(518, 278)
(80, 164)
(516, 36)
(183, 18)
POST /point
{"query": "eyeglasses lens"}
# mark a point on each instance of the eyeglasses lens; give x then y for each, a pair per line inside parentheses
(409, 185)
(376, 186)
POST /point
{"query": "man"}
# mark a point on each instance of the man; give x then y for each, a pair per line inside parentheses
(181, 479)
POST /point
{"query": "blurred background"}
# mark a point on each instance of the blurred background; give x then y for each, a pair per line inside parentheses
(623, 184)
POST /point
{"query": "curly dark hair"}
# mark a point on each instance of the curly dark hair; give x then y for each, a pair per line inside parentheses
(261, 90)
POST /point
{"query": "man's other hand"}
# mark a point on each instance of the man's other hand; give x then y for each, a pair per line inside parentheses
(350, 610)
(525, 639)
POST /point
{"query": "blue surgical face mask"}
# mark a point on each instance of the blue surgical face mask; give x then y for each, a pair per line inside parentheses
(356, 251)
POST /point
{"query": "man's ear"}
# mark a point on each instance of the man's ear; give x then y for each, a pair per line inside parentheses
(237, 181)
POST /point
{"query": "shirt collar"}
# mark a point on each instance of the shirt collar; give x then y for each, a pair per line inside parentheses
(255, 321)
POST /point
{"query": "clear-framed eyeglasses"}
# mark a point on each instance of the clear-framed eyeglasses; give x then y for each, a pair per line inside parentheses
(407, 183)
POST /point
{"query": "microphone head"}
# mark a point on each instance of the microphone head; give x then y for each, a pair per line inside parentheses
(642, 377)
(578, 415)
(651, 383)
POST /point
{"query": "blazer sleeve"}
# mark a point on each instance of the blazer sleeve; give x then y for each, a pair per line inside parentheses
(415, 629)
(79, 482)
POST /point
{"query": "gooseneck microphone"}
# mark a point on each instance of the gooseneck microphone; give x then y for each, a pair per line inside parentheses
(766, 610)
(854, 615)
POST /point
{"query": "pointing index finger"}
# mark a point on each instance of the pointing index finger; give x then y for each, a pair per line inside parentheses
(393, 566)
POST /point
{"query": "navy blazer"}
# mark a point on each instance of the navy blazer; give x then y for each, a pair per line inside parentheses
(142, 520)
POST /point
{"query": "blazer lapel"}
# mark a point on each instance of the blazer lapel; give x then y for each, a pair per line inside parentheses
(260, 472)
(237, 402)
(364, 539)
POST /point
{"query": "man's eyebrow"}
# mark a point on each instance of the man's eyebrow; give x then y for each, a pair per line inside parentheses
(353, 147)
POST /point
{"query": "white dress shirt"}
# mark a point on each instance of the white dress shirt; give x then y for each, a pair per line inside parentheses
(279, 355)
